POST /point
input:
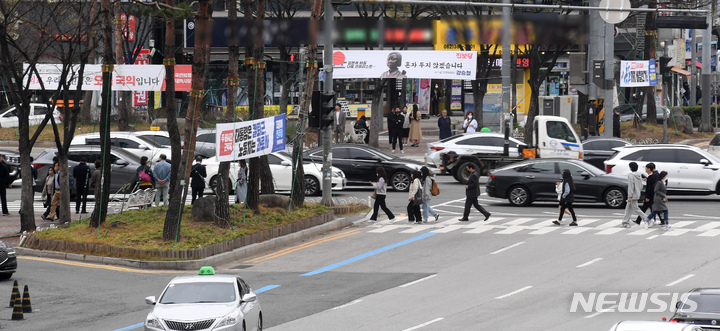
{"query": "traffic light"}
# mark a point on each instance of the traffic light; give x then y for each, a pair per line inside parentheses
(665, 68)
(327, 107)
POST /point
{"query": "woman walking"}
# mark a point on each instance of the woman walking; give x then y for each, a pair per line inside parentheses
(567, 198)
(415, 198)
(380, 193)
(444, 125)
(470, 125)
(49, 187)
(659, 201)
(241, 185)
(427, 181)
(415, 129)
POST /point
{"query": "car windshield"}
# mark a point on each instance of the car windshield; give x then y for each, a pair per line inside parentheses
(451, 138)
(704, 303)
(198, 292)
(382, 154)
(162, 140)
(127, 156)
(149, 142)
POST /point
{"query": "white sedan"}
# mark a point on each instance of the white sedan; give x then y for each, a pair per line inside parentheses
(9, 115)
(281, 168)
(469, 143)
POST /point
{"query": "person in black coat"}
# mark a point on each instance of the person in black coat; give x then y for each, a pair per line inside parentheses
(395, 123)
(198, 174)
(81, 173)
(472, 192)
(649, 189)
(4, 182)
(616, 123)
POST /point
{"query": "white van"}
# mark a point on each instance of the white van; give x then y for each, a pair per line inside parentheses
(555, 138)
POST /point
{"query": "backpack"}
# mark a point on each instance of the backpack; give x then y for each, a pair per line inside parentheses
(143, 176)
(435, 190)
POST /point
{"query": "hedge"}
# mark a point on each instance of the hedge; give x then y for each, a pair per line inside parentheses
(695, 113)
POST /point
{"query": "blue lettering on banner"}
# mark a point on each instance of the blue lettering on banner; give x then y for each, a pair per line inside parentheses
(258, 129)
(279, 137)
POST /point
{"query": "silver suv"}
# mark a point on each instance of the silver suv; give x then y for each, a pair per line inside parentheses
(691, 170)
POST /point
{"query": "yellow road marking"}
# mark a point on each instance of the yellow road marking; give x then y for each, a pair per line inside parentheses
(704, 143)
(106, 267)
(301, 246)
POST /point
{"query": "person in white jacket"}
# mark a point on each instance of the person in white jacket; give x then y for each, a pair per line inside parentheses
(415, 198)
(634, 190)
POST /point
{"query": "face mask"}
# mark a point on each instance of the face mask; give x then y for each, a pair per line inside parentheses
(469, 117)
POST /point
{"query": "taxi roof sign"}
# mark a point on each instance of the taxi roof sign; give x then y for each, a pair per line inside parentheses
(206, 271)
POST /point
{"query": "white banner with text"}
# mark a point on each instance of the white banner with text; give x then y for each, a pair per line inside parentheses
(125, 77)
(244, 140)
(405, 64)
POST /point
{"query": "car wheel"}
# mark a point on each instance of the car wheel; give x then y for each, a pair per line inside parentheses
(614, 197)
(463, 175)
(5, 276)
(214, 183)
(400, 181)
(519, 196)
(312, 186)
(259, 327)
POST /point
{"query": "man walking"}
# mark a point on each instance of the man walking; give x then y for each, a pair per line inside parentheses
(472, 191)
(81, 173)
(4, 182)
(634, 190)
(161, 171)
(339, 124)
(396, 128)
(198, 175)
(649, 189)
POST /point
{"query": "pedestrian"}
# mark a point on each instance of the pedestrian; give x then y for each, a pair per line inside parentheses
(395, 129)
(415, 129)
(96, 179)
(143, 175)
(4, 182)
(470, 125)
(686, 94)
(444, 125)
(406, 125)
(659, 201)
(81, 173)
(339, 124)
(161, 172)
(634, 191)
(380, 194)
(241, 185)
(649, 189)
(567, 198)
(362, 127)
(198, 174)
(616, 123)
(698, 95)
(427, 183)
(558, 190)
(53, 211)
(472, 192)
(415, 198)
(48, 188)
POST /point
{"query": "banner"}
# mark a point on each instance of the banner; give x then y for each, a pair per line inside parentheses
(244, 140)
(125, 77)
(405, 64)
(424, 96)
(638, 73)
(456, 95)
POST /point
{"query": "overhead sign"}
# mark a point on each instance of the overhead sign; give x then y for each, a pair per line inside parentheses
(125, 77)
(244, 140)
(638, 73)
(405, 64)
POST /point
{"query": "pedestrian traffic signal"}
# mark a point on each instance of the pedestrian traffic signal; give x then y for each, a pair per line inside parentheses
(665, 68)
(327, 106)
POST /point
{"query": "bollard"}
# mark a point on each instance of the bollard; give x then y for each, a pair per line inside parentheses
(26, 306)
(15, 293)
(17, 311)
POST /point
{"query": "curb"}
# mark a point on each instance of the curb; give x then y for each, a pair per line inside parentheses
(221, 258)
(38, 144)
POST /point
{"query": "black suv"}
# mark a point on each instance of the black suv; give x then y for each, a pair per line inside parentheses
(8, 261)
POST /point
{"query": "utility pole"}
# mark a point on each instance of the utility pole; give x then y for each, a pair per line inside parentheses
(705, 123)
(328, 87)
(609, 87)
(505, 69)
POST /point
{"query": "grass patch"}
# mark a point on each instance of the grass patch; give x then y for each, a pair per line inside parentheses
(655, 131)
(143, 229)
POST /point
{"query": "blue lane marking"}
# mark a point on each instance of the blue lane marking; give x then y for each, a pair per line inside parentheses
(134, 326)
(360, 257)
(266, 288)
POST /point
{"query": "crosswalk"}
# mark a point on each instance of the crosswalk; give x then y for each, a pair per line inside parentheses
(542, 226)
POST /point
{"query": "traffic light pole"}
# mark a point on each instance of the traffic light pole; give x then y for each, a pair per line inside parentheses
(328, 87)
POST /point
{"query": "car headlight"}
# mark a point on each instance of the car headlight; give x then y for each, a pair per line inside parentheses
(338, 174)
(229, 320)
(11, 251)
(153, 322)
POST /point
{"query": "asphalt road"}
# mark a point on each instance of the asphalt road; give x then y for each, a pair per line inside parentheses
(513, 272)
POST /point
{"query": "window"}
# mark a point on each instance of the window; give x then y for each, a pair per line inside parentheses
(76, 156)
(615, 143)
(92, 141)
(40, 110)
(162, 140)
(543, 168)
(716, 140)
(559, 130)
(124, 143)
(478, 141)
(243, 288)
(589, 146)
(206, 138)
(574, 169)
(661, 155)
(337, 153)
(356, 153)
(636, 156)
(272, 159)
(199, 292)
(685, 156)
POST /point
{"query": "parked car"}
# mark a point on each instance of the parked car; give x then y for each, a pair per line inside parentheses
(281, 168)
(202, 148)
(8, 260)
(654, 326)
(534, 180)
(714, 146)
(205, 302)
(470, 143)
(128, 141)
(598, 149)
(699, 307)
(360, 162)
(9, 115)
(12, 159)
(628, 112)
(122, 170)
(691, 170)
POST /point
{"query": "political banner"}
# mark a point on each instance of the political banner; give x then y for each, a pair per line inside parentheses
(638, 73)
(405, 64)
(125, 77)
(244, 140)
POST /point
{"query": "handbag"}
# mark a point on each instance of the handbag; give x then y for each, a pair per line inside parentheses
(435, 190)
(373, 195)
(418, 197)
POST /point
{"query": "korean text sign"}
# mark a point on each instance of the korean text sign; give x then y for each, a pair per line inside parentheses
(125, 77)
(638, 73)
(244, 140)
(405, 64)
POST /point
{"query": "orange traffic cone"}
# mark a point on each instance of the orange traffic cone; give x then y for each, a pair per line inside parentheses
(26, 306)
(15, 293)
(17, 311)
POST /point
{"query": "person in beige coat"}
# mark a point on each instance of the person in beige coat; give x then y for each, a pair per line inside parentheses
(415, 130)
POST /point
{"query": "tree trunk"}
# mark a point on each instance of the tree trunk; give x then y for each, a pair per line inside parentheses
(377, 113)
(123, 107)
(479, 91)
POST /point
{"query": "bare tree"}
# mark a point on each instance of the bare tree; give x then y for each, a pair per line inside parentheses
(542, 60)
